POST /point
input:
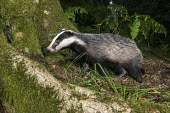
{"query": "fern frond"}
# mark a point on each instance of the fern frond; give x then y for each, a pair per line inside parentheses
(72, 11)
(76, 10)
(146, 25)
(135, 27)
(149, 24)
(158, 28)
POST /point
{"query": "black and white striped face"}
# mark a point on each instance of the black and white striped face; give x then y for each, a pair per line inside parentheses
(62, 40)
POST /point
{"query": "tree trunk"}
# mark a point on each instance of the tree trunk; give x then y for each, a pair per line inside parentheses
(27, 24)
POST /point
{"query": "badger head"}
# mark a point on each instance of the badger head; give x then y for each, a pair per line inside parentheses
(64, 39)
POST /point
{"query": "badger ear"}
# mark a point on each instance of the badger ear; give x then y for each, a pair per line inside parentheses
(63, 29)
(71, 33)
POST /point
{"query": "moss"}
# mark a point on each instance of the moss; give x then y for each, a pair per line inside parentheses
(19, 18)
(26, 36)
(78, 95)
(148, 107)
(20, 90)
(55, 19)
(78, 110)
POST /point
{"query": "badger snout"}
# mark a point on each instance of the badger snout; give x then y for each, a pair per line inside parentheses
(139, 79)
(49, 49)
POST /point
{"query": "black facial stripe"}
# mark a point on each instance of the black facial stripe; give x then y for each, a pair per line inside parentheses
(54, 45)
(65, 35)
(61, 37)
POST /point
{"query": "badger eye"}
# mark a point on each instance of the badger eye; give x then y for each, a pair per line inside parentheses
(57, 42)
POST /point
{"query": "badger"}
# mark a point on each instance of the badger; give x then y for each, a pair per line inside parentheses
(103, 49)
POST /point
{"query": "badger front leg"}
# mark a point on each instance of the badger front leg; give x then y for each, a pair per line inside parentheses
(120, 72)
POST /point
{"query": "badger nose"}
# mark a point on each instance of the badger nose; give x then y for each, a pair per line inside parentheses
(139, 79)
(49, 49)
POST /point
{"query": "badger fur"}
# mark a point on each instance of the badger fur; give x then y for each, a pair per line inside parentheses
(103, 49)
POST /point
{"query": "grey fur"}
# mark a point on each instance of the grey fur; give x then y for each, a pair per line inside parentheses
(111, 47)
(108, 48)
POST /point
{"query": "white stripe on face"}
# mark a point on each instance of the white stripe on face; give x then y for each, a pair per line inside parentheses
(68, 41)
(50, 46)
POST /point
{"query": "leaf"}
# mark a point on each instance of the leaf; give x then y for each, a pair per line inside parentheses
(149, 25)
(72, 11)
(135, 28)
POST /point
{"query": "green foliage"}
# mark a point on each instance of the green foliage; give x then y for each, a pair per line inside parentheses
(135, 27)
(127, 19)
(145, 25)
(72, 11)
(117, 16)
(107, 89)
(105, 85)
(139, 24)
(118, 21)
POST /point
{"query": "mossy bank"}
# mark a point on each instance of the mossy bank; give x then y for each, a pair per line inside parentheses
(20, 93)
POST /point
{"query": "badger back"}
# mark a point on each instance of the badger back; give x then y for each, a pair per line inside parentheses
(111, 47)
(125, 49)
